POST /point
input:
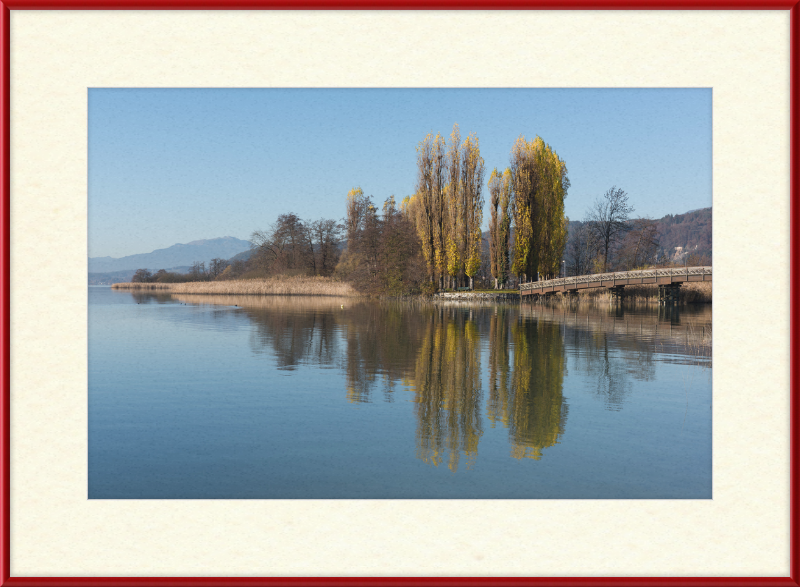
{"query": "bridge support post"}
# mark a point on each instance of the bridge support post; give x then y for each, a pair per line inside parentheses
(668, 294)
(618, 293)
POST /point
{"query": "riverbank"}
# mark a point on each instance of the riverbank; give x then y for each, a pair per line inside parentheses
(309, 286)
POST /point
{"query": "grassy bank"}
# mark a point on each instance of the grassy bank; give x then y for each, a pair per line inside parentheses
(310, 286)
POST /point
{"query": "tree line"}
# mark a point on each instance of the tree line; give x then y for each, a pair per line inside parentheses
(609, 239)
(446, 212)
(198, 272)
(290, 246)
(433, 239)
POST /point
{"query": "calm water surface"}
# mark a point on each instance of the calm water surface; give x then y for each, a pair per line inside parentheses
(281, 397)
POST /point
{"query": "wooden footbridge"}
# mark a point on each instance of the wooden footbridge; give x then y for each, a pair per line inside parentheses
(668, 280)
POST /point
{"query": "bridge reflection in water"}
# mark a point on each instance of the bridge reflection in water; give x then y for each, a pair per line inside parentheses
(469, 367)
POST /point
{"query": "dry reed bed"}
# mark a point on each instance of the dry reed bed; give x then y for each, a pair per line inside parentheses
(147, 286)
(307, 286)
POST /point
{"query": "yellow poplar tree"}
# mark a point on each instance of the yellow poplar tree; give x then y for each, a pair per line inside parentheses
(495, 187)
(455, 207)
(539, 183)
(504, 229)
(356, 209)
(472, 174)
(438, 187)
(423, 203)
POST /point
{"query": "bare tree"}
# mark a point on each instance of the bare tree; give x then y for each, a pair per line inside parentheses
(608, 220)
(285, 247)
(290, 231)
(356, 209)
(266, 252)
(142, 276)
(640, 245)
(579, 251)
(325, 236)
(198, 271)
(216, 267)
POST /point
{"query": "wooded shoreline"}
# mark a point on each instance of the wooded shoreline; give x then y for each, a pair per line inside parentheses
(326, 286)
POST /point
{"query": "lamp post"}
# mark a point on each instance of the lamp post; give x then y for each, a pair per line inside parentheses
(563, 268)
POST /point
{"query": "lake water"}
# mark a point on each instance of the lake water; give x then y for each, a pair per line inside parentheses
(300, 397)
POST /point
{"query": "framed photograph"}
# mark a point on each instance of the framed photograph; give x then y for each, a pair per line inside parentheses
(393, 293)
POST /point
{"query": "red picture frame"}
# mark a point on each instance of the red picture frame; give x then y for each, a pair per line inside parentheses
(5, 535)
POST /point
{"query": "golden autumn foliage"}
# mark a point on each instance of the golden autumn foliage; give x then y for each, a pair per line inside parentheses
(448, 205)
(447, 391)
(539, 184)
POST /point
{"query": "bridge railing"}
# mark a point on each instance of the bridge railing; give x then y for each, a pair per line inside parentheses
(617, 275)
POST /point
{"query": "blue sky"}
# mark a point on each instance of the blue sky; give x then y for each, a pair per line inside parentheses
(176, 165)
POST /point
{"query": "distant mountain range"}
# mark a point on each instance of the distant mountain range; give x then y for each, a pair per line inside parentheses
(179, 255)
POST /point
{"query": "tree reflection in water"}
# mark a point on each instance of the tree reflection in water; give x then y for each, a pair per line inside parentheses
(527, 400)
(537, 410)
(435, 352)
(447, 387)
(381, 345)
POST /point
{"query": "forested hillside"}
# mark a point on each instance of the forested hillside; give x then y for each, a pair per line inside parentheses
(691, 231)
(679, 238)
